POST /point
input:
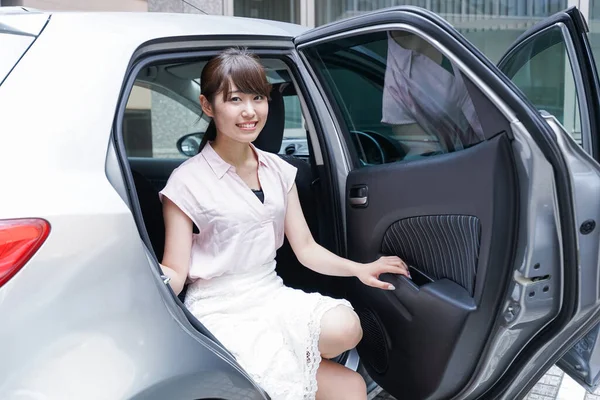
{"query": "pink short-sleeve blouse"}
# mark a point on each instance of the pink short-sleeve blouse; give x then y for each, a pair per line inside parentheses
(237, 231)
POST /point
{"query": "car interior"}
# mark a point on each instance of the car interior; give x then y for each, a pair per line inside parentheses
(180, 83)
(149, 184)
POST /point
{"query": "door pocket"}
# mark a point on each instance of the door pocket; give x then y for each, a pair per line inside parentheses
(437, 247)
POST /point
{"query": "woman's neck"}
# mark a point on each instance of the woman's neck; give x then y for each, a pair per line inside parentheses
(232, 152)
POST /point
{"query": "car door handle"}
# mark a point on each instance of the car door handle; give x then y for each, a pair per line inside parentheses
(359, 196)
(358, 201)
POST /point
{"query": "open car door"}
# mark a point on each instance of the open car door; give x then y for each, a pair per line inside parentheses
(553, 65)
(493, 205)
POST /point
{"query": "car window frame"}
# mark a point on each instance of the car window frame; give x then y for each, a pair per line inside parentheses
(575, 68)
(579, 45)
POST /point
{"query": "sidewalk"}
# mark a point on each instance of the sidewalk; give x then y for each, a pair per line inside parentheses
(555, 385)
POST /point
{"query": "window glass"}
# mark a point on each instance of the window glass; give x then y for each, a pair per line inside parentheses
(542, 70)
(594, 29)
(294, 130)
(154, 122)
(286, 11)
(294, 122)
(399, 97)
(294, 133)
(163, 107)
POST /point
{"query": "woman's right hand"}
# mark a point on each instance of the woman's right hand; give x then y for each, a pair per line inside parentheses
(369, 273)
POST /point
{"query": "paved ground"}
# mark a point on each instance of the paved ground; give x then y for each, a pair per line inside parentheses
(555, 385)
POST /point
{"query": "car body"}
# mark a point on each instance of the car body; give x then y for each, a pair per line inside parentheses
(501, 235)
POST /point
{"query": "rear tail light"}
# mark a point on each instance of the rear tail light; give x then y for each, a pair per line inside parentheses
(19, 240)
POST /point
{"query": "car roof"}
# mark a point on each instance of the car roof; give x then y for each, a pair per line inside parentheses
(166, 24)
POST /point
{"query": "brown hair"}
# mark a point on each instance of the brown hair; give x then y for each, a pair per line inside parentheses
(237, 66)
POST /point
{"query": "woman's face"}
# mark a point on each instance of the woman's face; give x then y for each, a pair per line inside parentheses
(240, 116)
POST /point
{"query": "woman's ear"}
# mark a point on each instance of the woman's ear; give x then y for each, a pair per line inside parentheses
(206, 106)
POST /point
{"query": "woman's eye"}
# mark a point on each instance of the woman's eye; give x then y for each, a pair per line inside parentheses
(235, 99)
(259, 97)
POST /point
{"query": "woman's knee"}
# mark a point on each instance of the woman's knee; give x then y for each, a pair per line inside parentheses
(354, 332)
(342, 326)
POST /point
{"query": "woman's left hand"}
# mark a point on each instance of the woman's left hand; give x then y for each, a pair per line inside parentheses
(369, 273)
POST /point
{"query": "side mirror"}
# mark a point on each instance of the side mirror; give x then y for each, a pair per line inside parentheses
(189, 144)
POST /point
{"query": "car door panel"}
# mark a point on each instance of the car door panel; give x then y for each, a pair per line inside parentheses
(572, 76)
(488, 230)
(408, 193)
(445, 230)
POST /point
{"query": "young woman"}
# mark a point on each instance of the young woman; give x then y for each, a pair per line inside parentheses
(243, 200)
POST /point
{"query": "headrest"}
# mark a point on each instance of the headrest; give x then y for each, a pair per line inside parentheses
(271, 136)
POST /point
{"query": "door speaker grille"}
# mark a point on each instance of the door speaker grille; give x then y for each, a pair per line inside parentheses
(373, 346)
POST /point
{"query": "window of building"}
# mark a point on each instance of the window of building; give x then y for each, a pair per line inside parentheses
(492, 25)
(277, 10)
(594, 32)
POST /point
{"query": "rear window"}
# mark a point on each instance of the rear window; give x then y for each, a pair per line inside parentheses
(12, 47)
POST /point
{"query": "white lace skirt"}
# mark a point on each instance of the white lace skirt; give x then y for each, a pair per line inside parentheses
(271, 329)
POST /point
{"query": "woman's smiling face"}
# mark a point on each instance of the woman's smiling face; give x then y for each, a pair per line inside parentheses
(239, 116)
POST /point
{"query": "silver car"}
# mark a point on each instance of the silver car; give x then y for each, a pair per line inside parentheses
(499, 227)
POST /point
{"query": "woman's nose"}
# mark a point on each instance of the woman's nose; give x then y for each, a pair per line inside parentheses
(248, 111)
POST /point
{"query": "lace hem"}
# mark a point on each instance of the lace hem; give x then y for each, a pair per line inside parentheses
(313, 355)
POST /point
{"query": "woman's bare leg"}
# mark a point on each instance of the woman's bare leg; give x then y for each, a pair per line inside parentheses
(338, 382)
(340, 331)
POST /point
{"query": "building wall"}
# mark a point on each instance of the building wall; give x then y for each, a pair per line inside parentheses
(81, 5)
(187, 6)
(492, 25)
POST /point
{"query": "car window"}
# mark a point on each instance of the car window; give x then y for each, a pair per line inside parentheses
(294, 133)
(12, 47)
(154, 122)
(163, 110)
(542, 70)
(399, 98)
(294, 121)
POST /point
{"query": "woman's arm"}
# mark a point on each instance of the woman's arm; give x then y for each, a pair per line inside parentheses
(314, 256)
(178, 245)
